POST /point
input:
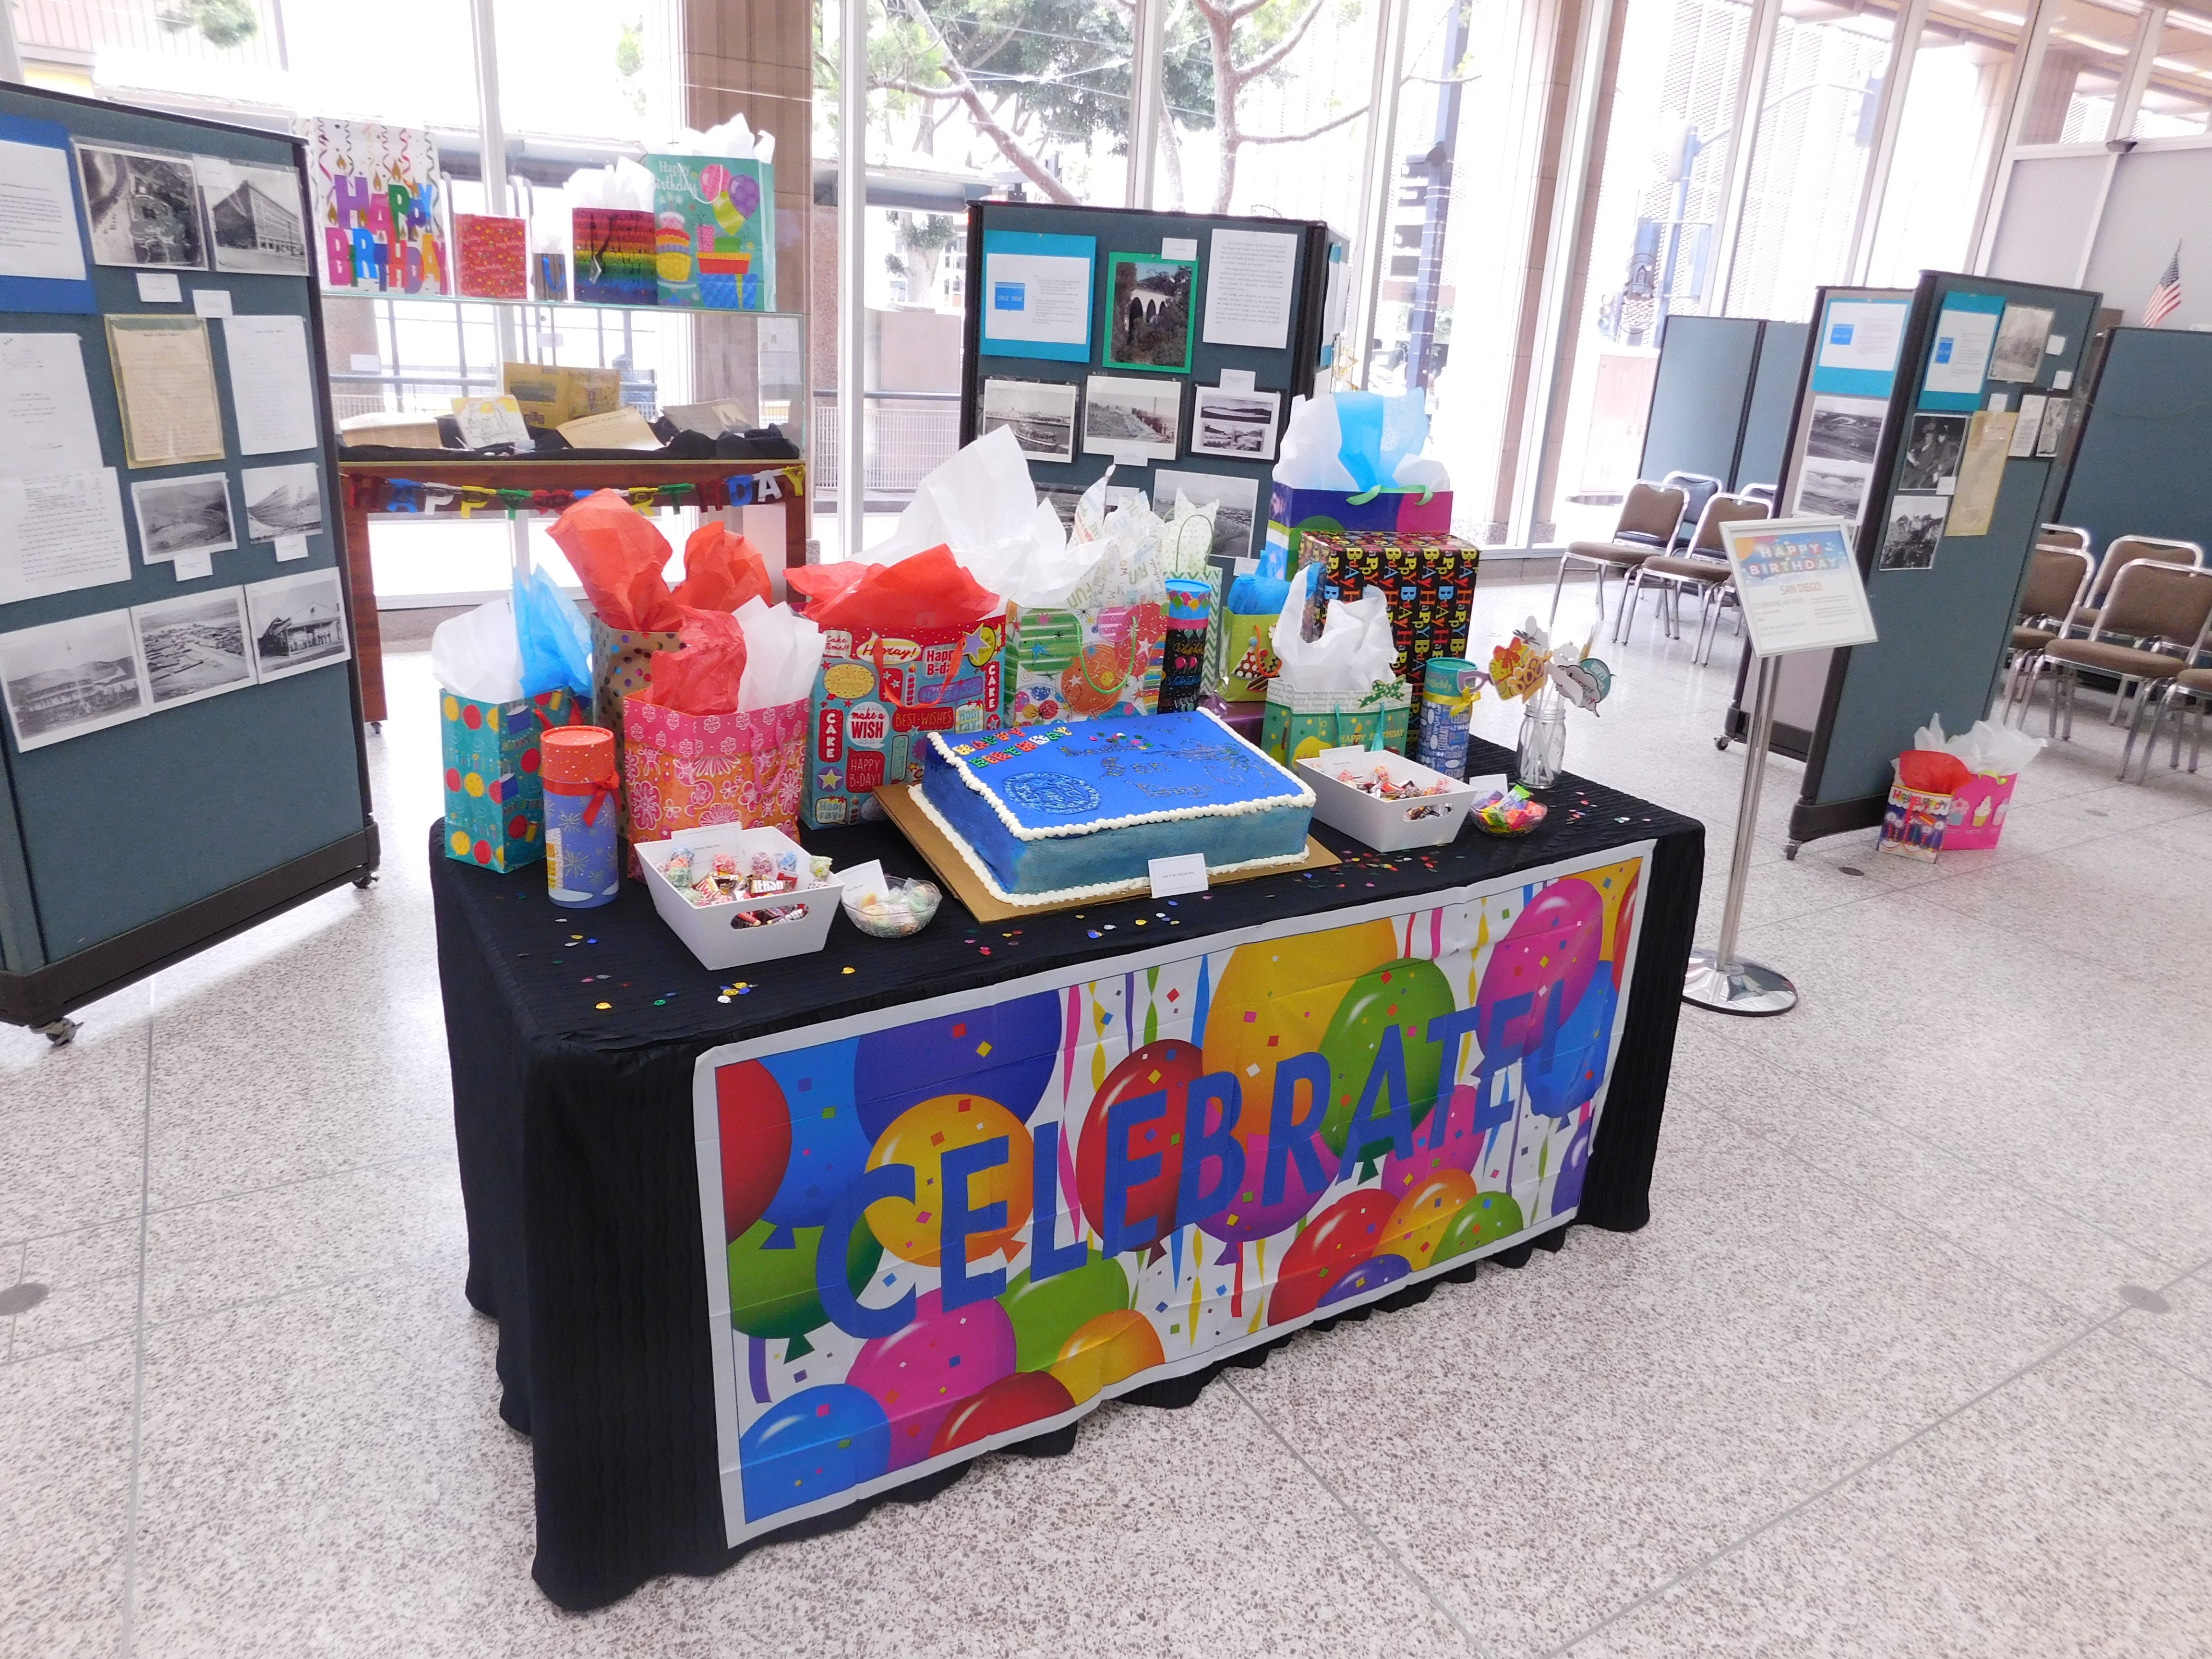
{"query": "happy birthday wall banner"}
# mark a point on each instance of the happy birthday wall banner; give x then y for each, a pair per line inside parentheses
(936, 1230)
(377, 493)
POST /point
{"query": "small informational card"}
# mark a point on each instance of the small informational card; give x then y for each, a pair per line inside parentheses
(159, 288)
(1036, 295)
(289, 548)
(485, 421)
(210, 301)
(2032, 405)
(618, 428)
(1184, 873)
(1178, 247)
(191, 567)
(862, 879)
(1799, 584)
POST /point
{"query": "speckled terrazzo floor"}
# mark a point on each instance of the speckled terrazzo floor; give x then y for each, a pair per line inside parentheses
(1915, 1357)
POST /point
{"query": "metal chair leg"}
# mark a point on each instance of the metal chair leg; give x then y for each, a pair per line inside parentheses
(2135, 720)
(1631, 592)
(1559, 582)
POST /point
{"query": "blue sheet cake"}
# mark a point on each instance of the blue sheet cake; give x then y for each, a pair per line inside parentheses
(1078, 810)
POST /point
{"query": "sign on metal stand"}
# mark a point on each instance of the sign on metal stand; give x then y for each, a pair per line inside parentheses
(1800, 587)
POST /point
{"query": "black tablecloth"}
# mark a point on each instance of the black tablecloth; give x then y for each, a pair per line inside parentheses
(573, 1036)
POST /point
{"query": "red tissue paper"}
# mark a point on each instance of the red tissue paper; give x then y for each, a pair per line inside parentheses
(618, 557)
(705, 676)
(722, 570)
(929, 590)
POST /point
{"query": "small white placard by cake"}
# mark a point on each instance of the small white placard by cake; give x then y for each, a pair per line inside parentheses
(1183, 873)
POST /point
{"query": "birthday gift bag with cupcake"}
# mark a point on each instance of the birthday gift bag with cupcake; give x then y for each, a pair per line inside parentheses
(714, 231)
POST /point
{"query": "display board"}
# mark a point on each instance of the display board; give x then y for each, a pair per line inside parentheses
(1721, 398)
(1980, 401)
(2139, 465)
(183, 744)
(1773, 399)
(1828, 436)
(1166, 345)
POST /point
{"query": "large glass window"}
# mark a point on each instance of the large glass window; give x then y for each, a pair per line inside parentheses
(1267, 107)
(1652, 238)
(2085, 62)
(1954, 121)
(1816, 130)
(1465, 170)
(2177, 100)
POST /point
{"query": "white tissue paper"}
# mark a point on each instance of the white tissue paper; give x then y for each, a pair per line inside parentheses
(1984, 747)
(623, 185)
(1124, 558)
(1421, 472)
(477, 654)
(1355, 648)
(1189, 538)
(979, 502)
(783, 652)
(1308, 459)
(733, 139)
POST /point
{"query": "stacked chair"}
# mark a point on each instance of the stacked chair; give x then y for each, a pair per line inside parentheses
(2149, 631)
(1648, 520)
(2058, 575)
(2083, 617)
(1703, 569)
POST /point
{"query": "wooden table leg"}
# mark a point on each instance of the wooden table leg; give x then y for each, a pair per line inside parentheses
(367, 634)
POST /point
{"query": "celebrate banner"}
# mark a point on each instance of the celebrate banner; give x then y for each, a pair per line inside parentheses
(939, 1229)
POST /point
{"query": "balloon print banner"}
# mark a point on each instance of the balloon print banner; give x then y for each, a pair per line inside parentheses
(935, 1229)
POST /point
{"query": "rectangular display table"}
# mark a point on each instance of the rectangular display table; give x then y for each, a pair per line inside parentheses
(626, 1118)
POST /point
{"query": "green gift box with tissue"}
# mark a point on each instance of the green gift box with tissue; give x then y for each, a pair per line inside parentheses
(1300, 725)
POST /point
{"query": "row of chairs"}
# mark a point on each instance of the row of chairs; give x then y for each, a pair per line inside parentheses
(2142, 614)
(1657, 545)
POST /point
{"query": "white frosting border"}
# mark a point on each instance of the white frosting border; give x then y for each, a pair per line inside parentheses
(1107, 890)
(1303, 795)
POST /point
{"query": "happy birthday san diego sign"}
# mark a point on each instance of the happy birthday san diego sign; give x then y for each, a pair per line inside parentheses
(939, 1229)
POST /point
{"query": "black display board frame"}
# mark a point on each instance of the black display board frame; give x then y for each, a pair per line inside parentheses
(126, 849)
(1289, 372)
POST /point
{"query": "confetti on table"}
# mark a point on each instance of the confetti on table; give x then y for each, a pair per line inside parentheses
(604, 1004)
(847, 970)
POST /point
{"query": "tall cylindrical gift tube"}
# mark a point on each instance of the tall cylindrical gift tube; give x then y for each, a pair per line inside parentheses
(1447, 702)
(576, 764)
(1190, 606)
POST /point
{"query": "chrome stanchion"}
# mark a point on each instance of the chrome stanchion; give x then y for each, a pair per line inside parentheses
(1718, 978)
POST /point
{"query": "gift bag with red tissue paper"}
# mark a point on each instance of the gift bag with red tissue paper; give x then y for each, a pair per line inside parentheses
(618, 555)
(719, 736)
(1994, 756)
(1921, 802)
(908, 648)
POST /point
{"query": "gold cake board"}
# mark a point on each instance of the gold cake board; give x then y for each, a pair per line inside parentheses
(954, 869)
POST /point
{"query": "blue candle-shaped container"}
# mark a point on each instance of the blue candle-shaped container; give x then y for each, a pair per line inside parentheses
(577, 765)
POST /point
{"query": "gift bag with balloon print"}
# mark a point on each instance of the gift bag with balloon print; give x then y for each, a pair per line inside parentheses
(940, 1235)
(1068, 665)
(682, 771)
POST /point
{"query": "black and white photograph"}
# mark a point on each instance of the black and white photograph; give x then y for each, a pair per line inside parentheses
(282, 501)
(1845, 429)
(2021, 337)
(2058, 417)
(296, 623)
(1914, 531)
(184, 515)
(1832, 489)
(253, 217)
(1148, 313)
(1041, 412)
(1236, 505)
(143, 208)
(1065, 501)
(67, 678)
(1239, 425)
(1932, 452)
(1139, 419)
(193, 646)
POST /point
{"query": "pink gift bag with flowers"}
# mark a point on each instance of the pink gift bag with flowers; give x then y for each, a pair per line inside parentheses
(682, 771)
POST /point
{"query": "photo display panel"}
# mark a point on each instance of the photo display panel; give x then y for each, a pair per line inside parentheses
(175, 624)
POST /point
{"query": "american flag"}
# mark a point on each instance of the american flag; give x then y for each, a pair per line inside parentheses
(2167, 295)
